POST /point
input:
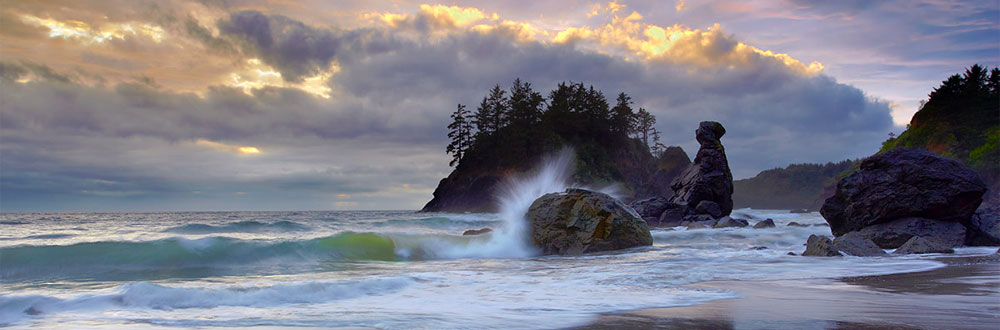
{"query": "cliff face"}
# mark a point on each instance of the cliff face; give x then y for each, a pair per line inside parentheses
(476, 182)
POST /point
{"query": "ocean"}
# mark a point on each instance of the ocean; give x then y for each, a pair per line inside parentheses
(379, 269)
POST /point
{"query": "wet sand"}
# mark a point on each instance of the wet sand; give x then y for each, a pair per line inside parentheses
(965, 294)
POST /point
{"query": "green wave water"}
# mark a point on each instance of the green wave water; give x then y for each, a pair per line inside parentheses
(177, 256)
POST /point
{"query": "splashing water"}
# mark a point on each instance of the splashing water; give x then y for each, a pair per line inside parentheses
(511, 241)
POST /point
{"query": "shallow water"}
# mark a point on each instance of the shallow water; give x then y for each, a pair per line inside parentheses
(378, 269)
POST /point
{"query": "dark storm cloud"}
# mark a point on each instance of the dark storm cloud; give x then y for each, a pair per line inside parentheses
(774, 116)
(294, 48)
(384, 123)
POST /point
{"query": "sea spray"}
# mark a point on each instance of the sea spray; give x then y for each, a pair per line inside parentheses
(511, 240)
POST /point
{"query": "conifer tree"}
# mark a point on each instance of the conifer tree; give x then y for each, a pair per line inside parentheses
(460, 133)
(491, 115)
(657, 148)
(525, 105)
(622, 117)
(644, 125)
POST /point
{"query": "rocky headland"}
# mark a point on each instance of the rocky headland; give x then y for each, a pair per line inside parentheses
(509, 136)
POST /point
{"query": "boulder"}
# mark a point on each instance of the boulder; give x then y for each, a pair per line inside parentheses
(673, 216)
(983, 228)
(472, 232)
(708, 207)
(767, 223)
(650, 207)
(581, 221)
(856, 245)
(903, 183)
(708, 178)
(820, 246)
(796, 224)
(919, 244)
(726, 222)
(893, 234)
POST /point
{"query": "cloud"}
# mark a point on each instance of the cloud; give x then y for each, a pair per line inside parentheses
(292, 47)
(85, 33)
(432, 17)
(373, 130)
(681, 44)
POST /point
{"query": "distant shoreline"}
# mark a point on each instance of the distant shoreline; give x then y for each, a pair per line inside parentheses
(965, 294)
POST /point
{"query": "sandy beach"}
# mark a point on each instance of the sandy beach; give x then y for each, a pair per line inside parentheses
(965, 294)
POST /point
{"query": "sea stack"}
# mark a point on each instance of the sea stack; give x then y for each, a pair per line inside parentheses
(706, 187)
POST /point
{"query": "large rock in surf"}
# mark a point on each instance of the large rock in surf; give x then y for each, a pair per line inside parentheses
(856, 245)
(820, 246)
(893, 234)
(708, 178)
(983, 228)
(903, 183)
(766, 223)
(650, 207)
(581, 221)
(918, 245)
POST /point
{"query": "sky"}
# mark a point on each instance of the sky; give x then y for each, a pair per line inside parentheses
(342, 105)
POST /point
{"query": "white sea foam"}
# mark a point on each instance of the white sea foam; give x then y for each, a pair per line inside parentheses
(145, 295)
(511, 240)
(441, 280)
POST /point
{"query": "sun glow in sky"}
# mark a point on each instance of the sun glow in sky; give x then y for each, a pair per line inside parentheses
(249, 150)
(72, 29)
(307, 104)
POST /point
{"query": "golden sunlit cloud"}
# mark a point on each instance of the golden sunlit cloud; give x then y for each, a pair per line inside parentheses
(678, 43)
(456, 15)
(625, 35)
(258, 75)
(72, 29)
(245, 150)
(614, 6)
(440, 16)
(249, 150)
